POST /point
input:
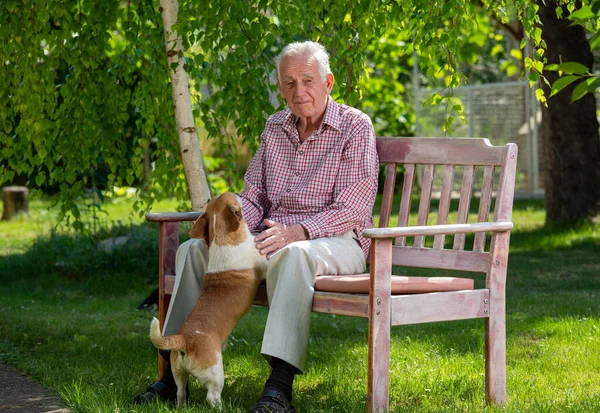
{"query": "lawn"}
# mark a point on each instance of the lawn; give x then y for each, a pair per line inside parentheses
(69, 320)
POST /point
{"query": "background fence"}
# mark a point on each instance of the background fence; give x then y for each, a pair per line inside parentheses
(502, 112)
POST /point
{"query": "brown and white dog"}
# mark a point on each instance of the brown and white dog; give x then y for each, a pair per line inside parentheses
(235, 269)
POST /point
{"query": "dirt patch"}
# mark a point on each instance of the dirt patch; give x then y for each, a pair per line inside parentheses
(20, 394)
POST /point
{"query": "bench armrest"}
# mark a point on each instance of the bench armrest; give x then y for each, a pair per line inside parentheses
(173, 216)
(393, 232)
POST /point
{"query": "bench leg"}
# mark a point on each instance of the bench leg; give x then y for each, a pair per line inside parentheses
(495, 325)
(379, 327)
(167, 246)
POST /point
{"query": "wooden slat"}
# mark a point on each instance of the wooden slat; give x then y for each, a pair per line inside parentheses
(484, 206)
(172, 216)
(506, 184)
(444, 205)
(426, 308)
(441, 259)
(388, 194)
(355, 305)
(424, 202)
(378, 233)
(407, 188)
(464, 204)
(169, 284)
(439, 151)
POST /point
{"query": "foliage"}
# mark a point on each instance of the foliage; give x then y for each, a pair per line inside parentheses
(587, 16)
(86, 98)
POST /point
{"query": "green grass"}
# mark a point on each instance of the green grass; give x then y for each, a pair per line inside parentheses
(68, 318)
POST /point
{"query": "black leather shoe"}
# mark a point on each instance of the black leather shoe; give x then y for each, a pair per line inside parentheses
(272, 401)
(156, 391)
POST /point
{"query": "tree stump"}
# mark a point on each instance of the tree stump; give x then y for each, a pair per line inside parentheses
(15, 199)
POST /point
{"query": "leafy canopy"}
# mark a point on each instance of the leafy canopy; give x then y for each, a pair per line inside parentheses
(86, 95)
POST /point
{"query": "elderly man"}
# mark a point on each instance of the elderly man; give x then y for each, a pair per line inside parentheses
(309, 192)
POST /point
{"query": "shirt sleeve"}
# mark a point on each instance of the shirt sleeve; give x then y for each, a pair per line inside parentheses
(355, 188)
(255, 204)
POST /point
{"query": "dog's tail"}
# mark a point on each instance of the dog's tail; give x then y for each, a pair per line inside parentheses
(174, 342)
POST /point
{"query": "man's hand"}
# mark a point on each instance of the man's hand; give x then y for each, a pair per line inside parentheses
(277, 236)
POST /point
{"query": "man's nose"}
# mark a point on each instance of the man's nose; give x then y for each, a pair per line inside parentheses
(300, 89)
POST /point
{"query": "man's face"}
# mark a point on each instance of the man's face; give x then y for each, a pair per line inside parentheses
(301, 85)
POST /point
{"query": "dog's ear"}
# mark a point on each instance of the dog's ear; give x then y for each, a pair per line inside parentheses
(200, 228)
(235, 216)
(237, 211)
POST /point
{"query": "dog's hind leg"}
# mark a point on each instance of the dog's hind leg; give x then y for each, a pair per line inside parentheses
(181, 377)
(214, 379)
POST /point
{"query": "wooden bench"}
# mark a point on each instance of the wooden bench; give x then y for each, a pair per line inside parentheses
(482, 171)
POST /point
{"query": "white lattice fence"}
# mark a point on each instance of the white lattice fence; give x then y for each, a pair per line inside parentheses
(499, 112)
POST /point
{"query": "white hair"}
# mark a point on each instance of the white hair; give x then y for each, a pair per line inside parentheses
(307, 49)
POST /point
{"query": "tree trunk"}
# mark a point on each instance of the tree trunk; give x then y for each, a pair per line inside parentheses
(569, 130)
(189, 145)
(15, 200)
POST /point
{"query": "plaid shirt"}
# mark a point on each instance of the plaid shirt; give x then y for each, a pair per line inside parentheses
(327, 184)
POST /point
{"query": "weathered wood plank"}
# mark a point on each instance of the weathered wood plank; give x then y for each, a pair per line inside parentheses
(168, 242)
(441, 259)
(172, 216)
(485, 202)
(464, 204)
(388, 194)
(444, 205)
(377, 233)
(506, 184)
(495, 327)
(379, 326)
(426, 308)
(439, 151)
(424, 202)
(406, 199)
(355, 305)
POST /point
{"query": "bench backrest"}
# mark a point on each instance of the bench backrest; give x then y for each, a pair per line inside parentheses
(470, 168)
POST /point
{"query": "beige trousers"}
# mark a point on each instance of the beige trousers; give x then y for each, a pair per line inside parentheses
(291, 277)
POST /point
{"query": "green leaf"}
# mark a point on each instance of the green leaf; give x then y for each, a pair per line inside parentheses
(573, 68)
(595, 40)
(584, 13)
(539, 94)
(561, 83)
(585, 87)
(39, 179)
(517, 54)
(533, 78)
(523, 43)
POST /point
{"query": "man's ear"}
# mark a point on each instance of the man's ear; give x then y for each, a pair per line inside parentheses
(200, 227)
(280, 90)
(329, 80)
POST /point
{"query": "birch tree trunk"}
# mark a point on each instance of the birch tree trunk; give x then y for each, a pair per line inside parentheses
(189, 145)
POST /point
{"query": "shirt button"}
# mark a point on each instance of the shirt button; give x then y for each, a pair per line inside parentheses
(301, 152)
(288, 190)
(297, 173)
